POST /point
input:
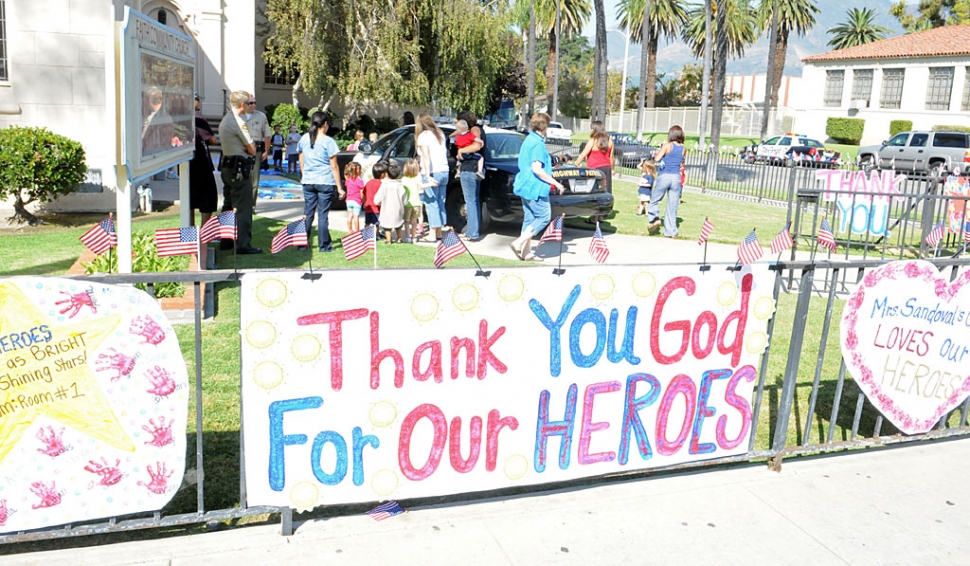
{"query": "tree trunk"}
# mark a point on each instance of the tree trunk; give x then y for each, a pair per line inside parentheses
(781, 53)
(554, 50)
(599, 89)
(706, 76)
(530, 65)
(771, 97)
(720, 75)
(652, 72)
(296, 89)
(21, 215)
(645, 58)
(550, 67)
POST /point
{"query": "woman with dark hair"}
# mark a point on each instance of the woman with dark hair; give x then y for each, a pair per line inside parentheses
(468, 175)
(532, 184)
(433, 154)
(321, 177)
(668, 159)
(598, 153)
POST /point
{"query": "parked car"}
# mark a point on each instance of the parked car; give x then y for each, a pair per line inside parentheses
(585, 193)
(919, 152)
(790, 150)
(557, 135)
(628, 151)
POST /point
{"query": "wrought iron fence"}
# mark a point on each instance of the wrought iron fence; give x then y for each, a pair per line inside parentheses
(803, 402)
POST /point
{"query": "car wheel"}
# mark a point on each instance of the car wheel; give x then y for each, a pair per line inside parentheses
(866, 163)
(455, 209)
(938, 169)
(484, 219)
(750, 159)
(789, 161)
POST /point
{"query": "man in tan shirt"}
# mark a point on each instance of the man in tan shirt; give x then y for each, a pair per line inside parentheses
(236, 167)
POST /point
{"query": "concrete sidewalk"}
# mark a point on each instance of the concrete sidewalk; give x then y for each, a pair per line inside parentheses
(902, 505)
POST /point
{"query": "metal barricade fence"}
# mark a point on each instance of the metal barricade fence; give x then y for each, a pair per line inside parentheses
(803, 402)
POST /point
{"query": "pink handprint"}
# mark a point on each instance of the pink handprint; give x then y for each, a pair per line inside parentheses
(115, 361)
(3, 512)
(147, 328)
(48, 494)
(53, 445)
(110, 475)
(161, 432)
(76, 301)
(159, 479)
(162, 382)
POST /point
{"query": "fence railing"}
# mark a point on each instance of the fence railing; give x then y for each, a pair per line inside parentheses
(802, 401)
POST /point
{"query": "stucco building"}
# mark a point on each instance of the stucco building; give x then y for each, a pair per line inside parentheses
(923, 77)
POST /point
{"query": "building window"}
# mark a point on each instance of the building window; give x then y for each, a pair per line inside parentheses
(862, 85)
(833, 88)
(892, 88)
(272, 76)
(966, 91)
(4, 62)
(938, 88)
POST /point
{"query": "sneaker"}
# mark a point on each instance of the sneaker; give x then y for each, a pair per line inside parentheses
(406, 240)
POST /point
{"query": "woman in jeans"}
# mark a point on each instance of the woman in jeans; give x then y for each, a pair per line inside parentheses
(321, 177)
(433, 154)
(532, 184)
(668, 159)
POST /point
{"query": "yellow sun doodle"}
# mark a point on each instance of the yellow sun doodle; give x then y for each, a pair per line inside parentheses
(727, 292)
(271, 293)
(465, 297)
(305, 348)
(511, 288)
(601, 287)
(424, 307)
(384, 482)
(382, 414)
(763, 307)
(304, 496)
(644, 284)
(516, 466)
(261, 334)
(268, 375)
(756, 342)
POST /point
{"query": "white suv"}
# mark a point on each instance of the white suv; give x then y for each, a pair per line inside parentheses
(919, 152)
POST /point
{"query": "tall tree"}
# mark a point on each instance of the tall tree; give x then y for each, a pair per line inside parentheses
(793, 16)
(667, 17)
(600, 63)
(531, 58)
(931, 14)
(642, 98)
(858, 28)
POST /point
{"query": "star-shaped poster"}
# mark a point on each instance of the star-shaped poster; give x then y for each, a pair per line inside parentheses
(93, 402)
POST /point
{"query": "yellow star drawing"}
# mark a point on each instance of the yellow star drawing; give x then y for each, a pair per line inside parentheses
(73, 396)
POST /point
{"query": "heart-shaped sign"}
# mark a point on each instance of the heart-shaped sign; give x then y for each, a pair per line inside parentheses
(906, 340)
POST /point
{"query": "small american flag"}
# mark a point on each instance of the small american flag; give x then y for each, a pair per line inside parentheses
(449, 248)
(825, 237)
(177, 241)
(783, 240)
(966, 232)
(356, 243)
(293, 235)
(750, 249)
(386, 511)
(220, 226)
(935, 235)
(706, 230)
(597, 246)
(553, 232)
(101, 237)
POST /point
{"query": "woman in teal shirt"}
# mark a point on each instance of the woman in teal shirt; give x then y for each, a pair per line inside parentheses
(532, 184)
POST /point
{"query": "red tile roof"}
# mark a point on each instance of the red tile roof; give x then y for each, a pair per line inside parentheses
(947, 40)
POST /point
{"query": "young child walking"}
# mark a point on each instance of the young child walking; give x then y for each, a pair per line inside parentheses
(648, 172)
(354, 186)
(415, 183)
(393, 199)
(464, 138)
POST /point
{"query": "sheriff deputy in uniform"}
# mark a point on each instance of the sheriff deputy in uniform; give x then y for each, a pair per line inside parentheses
(236, 167)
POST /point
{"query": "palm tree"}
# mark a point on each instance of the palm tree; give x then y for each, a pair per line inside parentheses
(793, 16)
(859, 28)
(667, 17)
(600, 63)
(737, 19)
(573, 17)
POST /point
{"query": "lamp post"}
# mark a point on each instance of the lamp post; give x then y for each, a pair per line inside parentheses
(626, 57)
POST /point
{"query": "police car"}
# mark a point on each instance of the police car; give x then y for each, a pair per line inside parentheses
(790, 150)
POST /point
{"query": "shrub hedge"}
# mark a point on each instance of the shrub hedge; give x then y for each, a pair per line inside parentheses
(845, 130)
